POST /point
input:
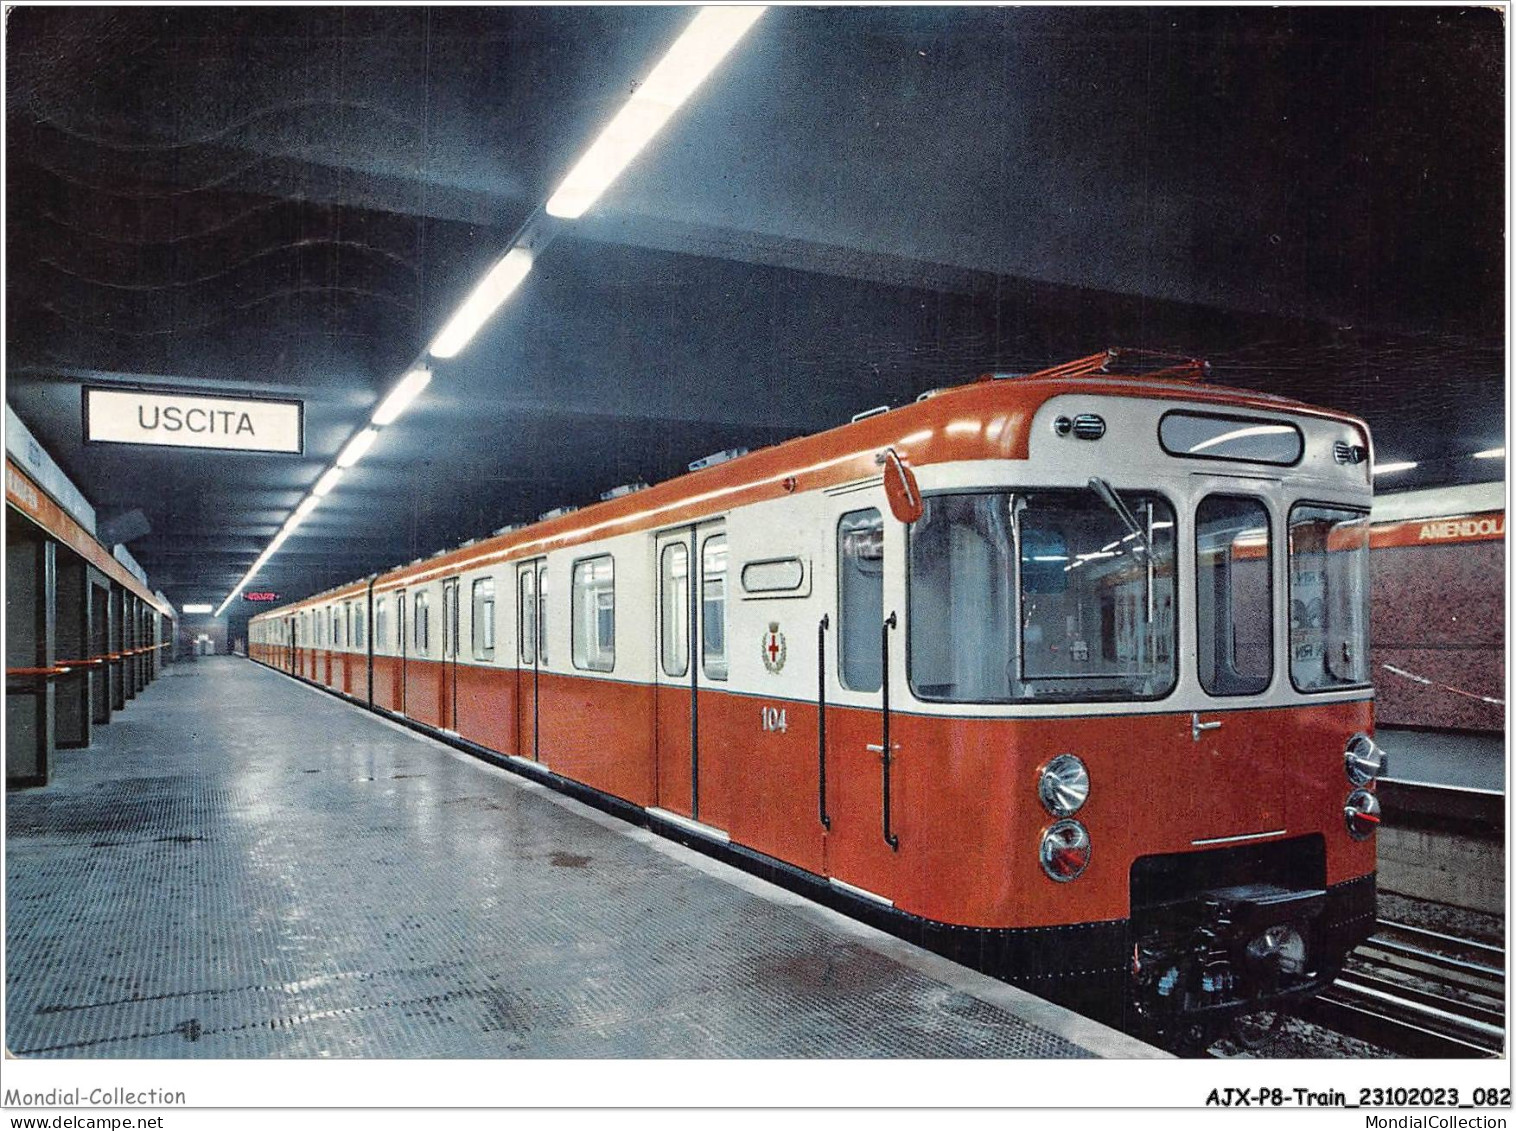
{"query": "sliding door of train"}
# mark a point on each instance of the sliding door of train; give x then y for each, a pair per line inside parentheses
(531, 653)
(692, 652)
(449, 707)
(861, 754)
(402, 641)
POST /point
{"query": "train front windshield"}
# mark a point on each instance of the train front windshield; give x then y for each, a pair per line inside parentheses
(1057, 595)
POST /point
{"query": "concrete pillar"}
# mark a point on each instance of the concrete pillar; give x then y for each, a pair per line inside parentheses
(117, 646)
(99, 645)
(143, 640)
(71, 692)
(129, 644)
(30, 589)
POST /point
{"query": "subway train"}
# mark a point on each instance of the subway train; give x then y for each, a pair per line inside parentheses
(1063, 675)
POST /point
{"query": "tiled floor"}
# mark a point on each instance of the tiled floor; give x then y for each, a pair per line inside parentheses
(245, 867)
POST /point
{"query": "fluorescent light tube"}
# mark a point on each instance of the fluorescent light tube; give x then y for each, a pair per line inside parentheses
(1490, 453)
(503, 278)
(1391, 468)
(694, 55)
(307, 505)
(197, 608)
(401, 396)
(325, 483)
(358, 445)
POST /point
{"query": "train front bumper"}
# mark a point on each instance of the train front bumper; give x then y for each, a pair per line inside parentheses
(1235, 950)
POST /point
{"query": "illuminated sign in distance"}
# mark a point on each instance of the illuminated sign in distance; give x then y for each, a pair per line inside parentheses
(263, 595)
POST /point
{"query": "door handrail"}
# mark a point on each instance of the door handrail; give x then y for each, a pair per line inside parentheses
(887, 751)
(825, 623)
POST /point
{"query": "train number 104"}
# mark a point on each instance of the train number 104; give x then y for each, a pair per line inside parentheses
(775, 720)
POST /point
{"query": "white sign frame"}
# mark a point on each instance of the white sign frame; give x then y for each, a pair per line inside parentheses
(194, 420)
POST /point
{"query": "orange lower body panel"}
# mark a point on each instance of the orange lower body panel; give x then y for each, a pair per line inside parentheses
(963, 792)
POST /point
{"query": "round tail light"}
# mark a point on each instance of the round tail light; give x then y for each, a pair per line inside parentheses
(1361, 811)
(1065, 851)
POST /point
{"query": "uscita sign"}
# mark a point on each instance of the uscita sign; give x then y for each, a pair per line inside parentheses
(132, 416)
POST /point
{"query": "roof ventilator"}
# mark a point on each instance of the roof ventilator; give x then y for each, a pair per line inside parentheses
(880, 410)
(719, 457)
(508, 528)
(622, 491)
(556, 512)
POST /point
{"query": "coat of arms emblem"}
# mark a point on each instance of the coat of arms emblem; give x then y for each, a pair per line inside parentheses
(774, 648)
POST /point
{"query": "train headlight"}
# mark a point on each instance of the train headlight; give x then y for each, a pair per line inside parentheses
(1361, 811)
(1363, 760)
(1065, 851)
(1063, 785)
(1281, 946)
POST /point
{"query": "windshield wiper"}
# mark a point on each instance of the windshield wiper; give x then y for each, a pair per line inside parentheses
(1107, 495)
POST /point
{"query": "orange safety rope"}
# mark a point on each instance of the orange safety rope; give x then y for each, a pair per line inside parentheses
(63, 667)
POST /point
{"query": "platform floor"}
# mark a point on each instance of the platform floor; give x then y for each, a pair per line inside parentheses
(1435, 757)
(243, 866)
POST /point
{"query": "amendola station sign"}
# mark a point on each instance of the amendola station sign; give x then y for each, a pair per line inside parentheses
(192, 420)
(1486, 526)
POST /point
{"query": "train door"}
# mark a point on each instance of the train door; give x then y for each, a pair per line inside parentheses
(402, 640)
(531, 653)
(692, 652)
(450, 619)
(1239, 581)
(862, 839)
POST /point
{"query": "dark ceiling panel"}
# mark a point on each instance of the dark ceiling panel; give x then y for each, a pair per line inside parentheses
(859, 205)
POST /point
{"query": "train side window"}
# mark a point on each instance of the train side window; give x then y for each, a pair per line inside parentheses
(860, 599)
(674, 609)
(381, 624)
(594, 614)
(713, 660)
(1234, 604)
(483, 619)
(774, 575)
(526, 615)
(419, 636)
(542, 613)
(962, 626)
(358, 611)
(339, 619)
(1329, 595)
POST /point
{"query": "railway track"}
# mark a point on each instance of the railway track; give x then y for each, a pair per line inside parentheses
(1420, 993)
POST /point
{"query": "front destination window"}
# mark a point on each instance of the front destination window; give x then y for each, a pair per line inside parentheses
(1329, 591)
(1059, 595)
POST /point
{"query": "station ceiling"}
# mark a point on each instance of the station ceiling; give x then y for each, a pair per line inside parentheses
(860, 204)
